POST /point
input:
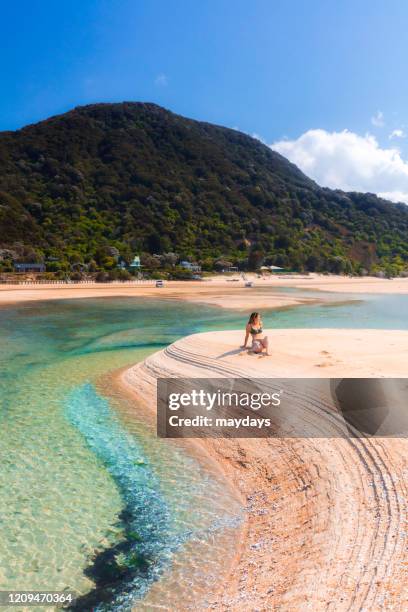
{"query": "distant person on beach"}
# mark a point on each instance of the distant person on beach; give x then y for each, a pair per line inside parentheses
(254, 329)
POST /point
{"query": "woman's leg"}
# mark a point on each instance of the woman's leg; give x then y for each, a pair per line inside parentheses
(265, 344)
(257, 346)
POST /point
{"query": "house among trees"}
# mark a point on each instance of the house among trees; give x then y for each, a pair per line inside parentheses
(193, 267)
(223, 265)
(135, 264)
(277, 269)
(29, 267)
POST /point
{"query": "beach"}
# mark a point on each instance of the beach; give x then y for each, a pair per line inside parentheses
(348, 284)
(222, 290)
(324, 518)
(214, 292)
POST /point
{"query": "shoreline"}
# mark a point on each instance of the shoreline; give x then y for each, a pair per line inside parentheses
(222, 293)
(300, 545)
(203, 455)
(219, 291)
(116, 382)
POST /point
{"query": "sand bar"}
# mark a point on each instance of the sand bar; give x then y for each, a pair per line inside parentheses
(227, 292)
(326, 518)
(224, 293)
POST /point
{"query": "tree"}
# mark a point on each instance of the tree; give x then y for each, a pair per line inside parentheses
(255, 259)
(222, 264)
(149, 262)
(170, 259)
(102, 277)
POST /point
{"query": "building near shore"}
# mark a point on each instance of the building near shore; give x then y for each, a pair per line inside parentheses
(279, 270)
(29, 267)
(193, 267)
(135, 263)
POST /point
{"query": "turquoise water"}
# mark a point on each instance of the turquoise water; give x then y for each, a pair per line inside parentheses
(92, 501)
(88, 502)
(345, 311)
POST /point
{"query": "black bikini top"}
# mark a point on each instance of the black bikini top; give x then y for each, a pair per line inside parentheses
(255, 331)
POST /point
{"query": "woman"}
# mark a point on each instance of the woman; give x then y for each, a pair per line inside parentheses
(254, 329)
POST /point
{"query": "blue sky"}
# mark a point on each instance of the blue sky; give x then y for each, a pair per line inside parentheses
(276, 68)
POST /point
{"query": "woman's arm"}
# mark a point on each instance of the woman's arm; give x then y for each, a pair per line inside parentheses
(246, 337)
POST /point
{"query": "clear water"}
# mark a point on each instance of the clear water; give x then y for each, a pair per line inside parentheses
(89, 497)
(352, 311)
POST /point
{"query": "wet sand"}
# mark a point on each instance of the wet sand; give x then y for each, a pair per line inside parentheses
(217, 292)
(222, 290)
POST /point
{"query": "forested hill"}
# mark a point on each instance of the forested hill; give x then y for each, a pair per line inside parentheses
(141, 179)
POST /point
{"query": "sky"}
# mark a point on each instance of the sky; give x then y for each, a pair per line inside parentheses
(322, 82)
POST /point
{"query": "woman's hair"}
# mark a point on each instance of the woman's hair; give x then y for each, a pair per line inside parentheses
(252, 318)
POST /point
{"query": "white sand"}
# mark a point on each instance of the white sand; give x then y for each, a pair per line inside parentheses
(225, 291)
(214, 292)
(326, 518)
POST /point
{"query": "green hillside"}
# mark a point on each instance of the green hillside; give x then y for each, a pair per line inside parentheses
(140, 179)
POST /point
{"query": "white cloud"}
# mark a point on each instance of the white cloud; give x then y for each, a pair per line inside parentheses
(395, 196)
(345, 160)
(258, 137)
(378, 119)
(162, 80)
(397, 134)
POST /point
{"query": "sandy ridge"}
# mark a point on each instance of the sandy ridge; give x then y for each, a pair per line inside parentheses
(326, 518)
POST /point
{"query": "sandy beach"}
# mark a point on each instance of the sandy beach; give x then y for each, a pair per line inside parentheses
(216, 292)
(346, 284)
(325, 518)
(224, 291)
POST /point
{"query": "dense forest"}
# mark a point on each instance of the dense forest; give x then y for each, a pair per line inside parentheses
(108, 181)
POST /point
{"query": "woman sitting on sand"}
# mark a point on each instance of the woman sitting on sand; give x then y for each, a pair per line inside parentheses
(254, 329)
